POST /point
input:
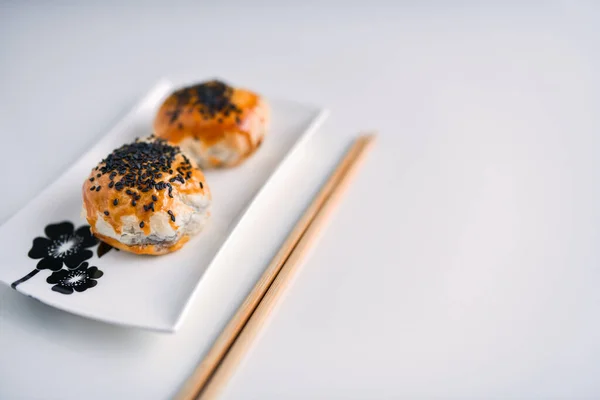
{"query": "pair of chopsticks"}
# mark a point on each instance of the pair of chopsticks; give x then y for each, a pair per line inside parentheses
(216, 368)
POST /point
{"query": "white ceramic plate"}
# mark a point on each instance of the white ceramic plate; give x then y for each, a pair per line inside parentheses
(144, 291)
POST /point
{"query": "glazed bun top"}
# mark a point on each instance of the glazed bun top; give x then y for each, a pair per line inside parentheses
(206, 112)
(139, 179)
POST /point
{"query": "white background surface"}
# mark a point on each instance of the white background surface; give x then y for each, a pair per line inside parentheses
(463, 263)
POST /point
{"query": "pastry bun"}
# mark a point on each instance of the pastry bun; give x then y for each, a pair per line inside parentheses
(217, 125)
(146, 197)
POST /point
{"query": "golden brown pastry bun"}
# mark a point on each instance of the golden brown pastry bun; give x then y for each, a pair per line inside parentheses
(146, 197)
(216, 124)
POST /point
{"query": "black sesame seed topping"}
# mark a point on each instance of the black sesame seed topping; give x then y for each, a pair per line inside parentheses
(133, 203)
(201, 185)
(106, 212)
(172, 218)
(98, 188)
(111, 184)
(92, 188)
(170, 212)
(208, 98)
(154, 198)
(142, 224)
(92, 179)
(140, 164)
(98, 175)
(115, 202)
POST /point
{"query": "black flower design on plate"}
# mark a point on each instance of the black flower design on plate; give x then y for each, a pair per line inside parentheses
(79, 279)
(63, 244)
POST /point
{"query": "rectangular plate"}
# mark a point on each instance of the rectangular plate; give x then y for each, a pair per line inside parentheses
(145, 291)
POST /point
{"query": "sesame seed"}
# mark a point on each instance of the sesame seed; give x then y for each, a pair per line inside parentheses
(172, 218)
(115, 202)
(140, 164)
(154, 198)
(92, 179)
(98, 188)
(133, 203)
(209, 98)
(201, 185)
(106, 212)
(98, 175)
(92, 188)
(142, 224)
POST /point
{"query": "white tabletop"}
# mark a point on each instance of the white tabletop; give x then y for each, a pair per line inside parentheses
(462, 264)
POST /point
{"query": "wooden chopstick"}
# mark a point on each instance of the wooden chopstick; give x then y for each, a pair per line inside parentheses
(220, 361)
